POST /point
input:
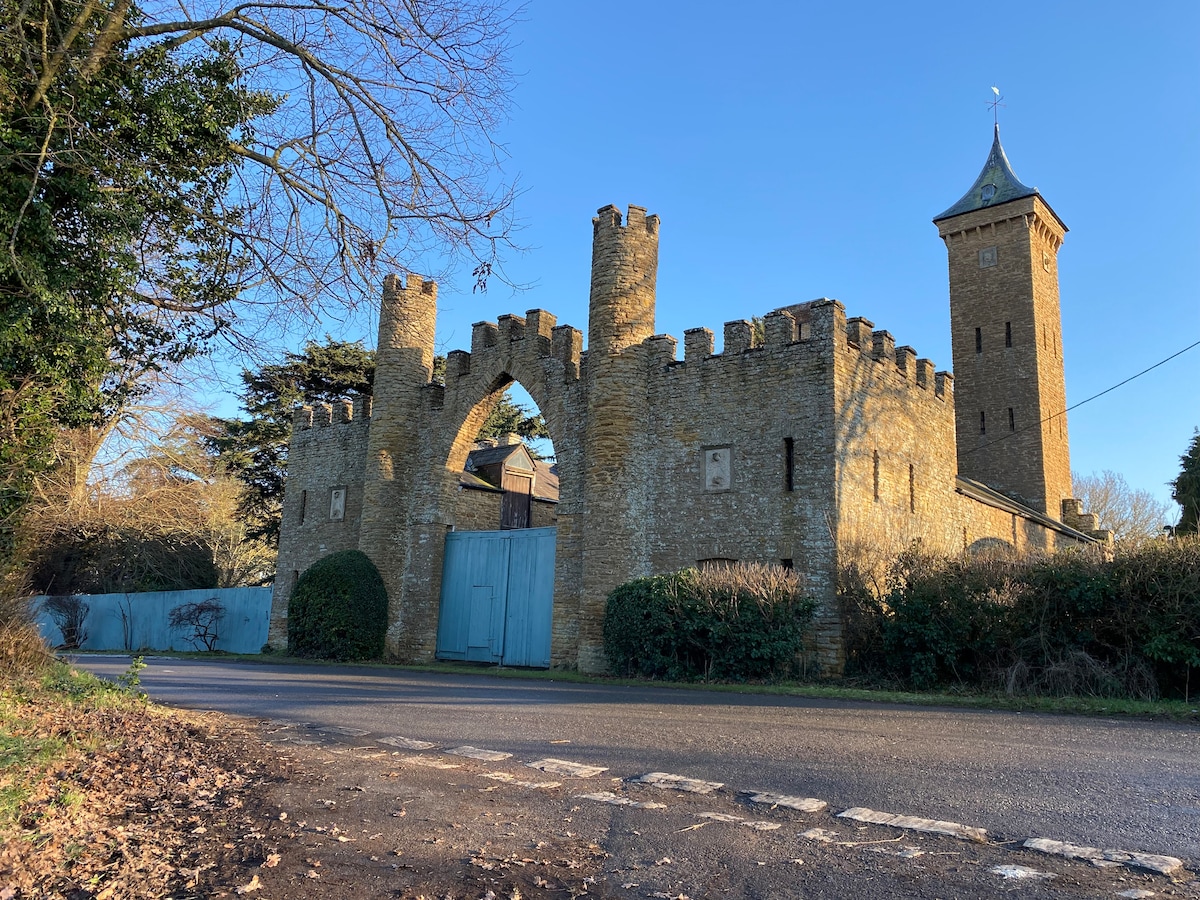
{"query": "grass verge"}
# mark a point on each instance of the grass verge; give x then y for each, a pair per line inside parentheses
(173, 822)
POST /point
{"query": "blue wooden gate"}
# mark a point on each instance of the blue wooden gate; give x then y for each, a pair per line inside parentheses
(498, 597)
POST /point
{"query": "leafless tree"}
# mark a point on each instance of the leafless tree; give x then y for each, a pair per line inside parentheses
(1132, 514)
(165, 517)
(382, 148)
(202, 621)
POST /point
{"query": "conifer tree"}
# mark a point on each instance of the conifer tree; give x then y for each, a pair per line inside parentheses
(1186, 489)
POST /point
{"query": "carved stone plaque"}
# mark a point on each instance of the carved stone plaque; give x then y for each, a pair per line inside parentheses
(337, 504)
(717, 474)
(987, 257)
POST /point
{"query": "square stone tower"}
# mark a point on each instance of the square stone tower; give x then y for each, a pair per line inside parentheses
(1006, 330)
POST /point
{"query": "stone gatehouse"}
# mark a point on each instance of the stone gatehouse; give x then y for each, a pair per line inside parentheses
(803, 443)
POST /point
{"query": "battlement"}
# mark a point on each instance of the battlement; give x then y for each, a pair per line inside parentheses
(412, 287)
(324, 415)
(607, 223)
(880, 346)
(535, 336)
(624, 271)
(802, 323)
(407, 314)
(811, 323)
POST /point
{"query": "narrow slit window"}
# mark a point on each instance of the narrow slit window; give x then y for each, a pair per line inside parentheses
(978, 340)
(789, 464)
(912, 488)
(1012, 420)
(982, 422)
(1008, 334)
(303, 504)
(876, 477)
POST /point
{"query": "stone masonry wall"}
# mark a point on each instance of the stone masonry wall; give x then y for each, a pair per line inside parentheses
(543, 513)
(477, 510)
(328, 452)
(723, 428)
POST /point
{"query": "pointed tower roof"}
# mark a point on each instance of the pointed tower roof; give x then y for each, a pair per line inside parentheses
(996, 184)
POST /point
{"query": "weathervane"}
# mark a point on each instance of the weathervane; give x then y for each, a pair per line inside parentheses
(995, 104)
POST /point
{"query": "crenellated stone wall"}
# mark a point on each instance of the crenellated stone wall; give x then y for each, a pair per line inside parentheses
(817, 442)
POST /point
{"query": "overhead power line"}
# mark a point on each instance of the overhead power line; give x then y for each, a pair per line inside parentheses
(1107, 390)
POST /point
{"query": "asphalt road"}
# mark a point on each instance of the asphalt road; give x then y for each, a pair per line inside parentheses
(1120, 784)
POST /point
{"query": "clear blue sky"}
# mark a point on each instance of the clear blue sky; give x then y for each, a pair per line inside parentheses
(798, 150)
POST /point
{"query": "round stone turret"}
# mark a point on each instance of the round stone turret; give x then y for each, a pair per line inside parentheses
(624, 271)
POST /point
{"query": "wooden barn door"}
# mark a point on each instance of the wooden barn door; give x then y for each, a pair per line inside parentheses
(498, 597)
(515, 505)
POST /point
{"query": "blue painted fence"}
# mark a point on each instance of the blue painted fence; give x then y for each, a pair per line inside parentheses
(135, 622)
(498, 597)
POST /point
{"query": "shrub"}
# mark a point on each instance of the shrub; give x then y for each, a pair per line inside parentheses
(69, 613)
(338, 609)
(946, 619)
(22, 649)
(738, 622)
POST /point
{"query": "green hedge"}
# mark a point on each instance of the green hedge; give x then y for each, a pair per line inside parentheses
(1067, 624)
(338, 609)
(739, 622)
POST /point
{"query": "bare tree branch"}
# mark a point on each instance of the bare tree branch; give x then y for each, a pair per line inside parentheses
(1130, 513)
(382, 149)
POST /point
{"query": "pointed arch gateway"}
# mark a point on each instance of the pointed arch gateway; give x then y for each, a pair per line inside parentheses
(470, 594)
(496, 600)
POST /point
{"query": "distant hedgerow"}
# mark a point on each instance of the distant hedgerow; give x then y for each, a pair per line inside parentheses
(1065, 625)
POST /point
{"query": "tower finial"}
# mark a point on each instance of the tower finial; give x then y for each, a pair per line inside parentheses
(995, 104)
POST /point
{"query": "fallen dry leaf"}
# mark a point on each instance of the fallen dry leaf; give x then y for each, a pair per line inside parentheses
(252, 885)
(271, 861)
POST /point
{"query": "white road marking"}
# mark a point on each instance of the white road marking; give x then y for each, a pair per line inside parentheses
(1020, 872)
(823, 835)
(680, 783)
(615, 800)
(565, 767)
(804, 804)
(406, 743)
(512, 779)
(476, 753)
(913, 823)
(430, 762)
(1163, 865)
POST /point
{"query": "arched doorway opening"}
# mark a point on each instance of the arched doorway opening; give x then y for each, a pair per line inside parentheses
(509, 479)
(496, 601)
